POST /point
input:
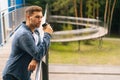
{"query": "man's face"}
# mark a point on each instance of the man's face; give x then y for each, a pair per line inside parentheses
(35, 19)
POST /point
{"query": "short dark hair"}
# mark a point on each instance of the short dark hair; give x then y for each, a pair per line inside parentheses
(31, 9)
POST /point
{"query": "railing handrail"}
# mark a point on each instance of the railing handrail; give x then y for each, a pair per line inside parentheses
(14, 22)
(93, 27)
(74, 18)
(14, 6)
(43, 65)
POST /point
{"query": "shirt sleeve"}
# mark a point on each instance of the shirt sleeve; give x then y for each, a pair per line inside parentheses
(27, 43)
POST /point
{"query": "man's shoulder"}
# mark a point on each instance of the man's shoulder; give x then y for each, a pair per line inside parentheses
(22, 31)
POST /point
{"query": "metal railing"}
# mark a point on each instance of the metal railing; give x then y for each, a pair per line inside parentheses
(42, 69)
(93, 28)
(10, 19)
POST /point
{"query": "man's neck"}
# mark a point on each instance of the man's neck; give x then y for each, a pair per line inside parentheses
(30, 26)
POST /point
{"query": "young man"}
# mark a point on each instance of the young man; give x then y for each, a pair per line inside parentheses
(27, 49)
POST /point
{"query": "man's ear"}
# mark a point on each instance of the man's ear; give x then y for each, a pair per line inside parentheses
(27, 17)
(30, 18)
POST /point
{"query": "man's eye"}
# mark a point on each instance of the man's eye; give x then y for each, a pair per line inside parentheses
(38, 17)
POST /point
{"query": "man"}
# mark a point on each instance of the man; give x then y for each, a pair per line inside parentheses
(27, 49)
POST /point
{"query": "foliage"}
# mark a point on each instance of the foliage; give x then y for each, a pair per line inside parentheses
(90, 8)
(41, 3)
(61, 7)
(67, 27)
(115, 28)
(88, 55)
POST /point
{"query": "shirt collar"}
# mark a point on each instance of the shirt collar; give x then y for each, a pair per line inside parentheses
(26, 27)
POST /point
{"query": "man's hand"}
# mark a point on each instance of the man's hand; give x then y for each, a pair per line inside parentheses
(32, 65)
(48, 29)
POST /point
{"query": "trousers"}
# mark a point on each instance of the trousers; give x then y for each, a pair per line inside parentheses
(9, 77)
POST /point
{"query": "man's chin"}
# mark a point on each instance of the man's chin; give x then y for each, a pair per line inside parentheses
(37, 26)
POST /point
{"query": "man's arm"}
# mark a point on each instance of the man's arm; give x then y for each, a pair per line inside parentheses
(33, 62)
(27, 44)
